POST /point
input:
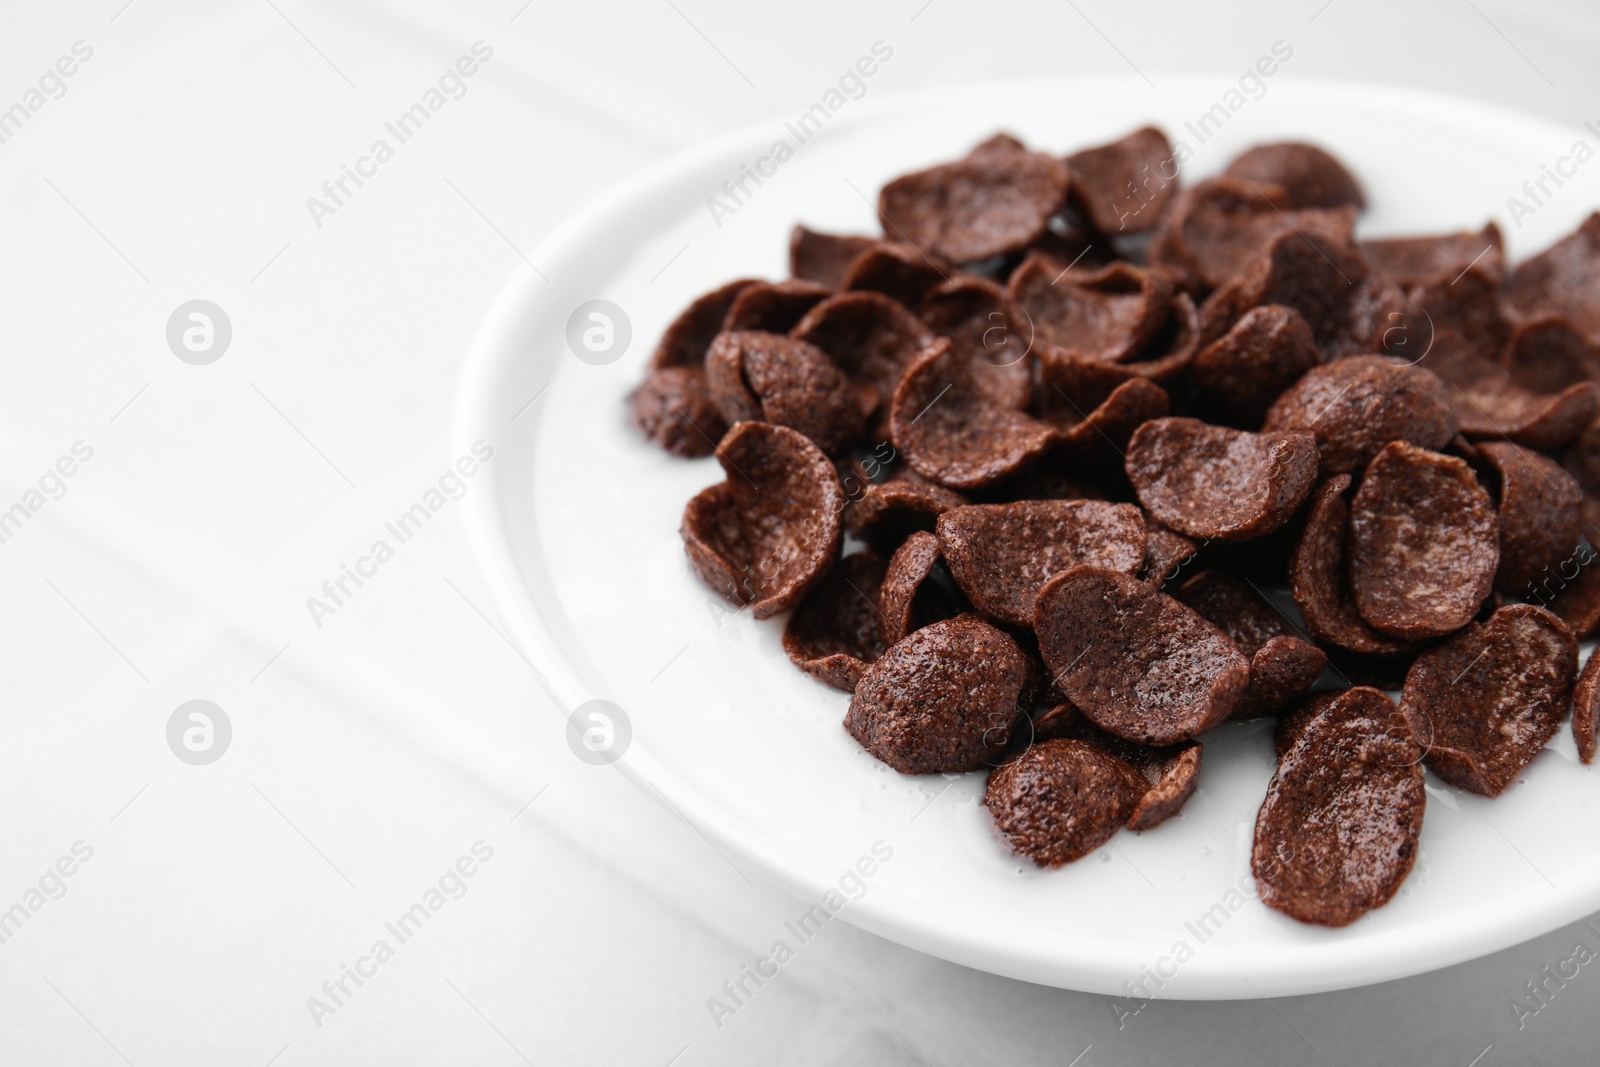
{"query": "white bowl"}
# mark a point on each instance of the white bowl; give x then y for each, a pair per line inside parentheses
(578, 536)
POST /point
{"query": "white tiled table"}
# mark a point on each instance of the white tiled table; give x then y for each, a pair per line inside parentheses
(371, 752)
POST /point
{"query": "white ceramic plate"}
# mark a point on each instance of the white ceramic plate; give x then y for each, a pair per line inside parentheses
(578, 536)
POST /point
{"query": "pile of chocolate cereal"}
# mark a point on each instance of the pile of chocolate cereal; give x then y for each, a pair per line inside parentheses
(1026, 467)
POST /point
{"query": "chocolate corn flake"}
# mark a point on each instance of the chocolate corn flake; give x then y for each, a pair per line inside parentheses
(867, 335)
(1221, 226)
(1234, 608)
(769, 533)
(952, 432)
(1586, 710)
(1280, 671)
(1176, 774)
(1061, 800)
(1572, 590)
(1136, 662)
(1123, 187)
(942, 701)
(1468, 305)
(1308, 175)
(1282, 666)
(1001, 555)
(1424, 543)
(1414, 261)
(686, 340)
(1337, 833)
(1549, 354)
(1358, 405)
(1108, 316)
(673, 408)
(990, 337)
(1350, 308)
(767, 377)
(1098, 441)
(1165, 552)
(898, 270)
(1170, 774)
(1487, 701)
(834, 635)
(1215, 483)
(773, 307)
(1540, 515)
(909, 601)
(1564, 279)
(823, 257)
(997, 200)
(1317, 577)
(1492, 404)
(887, 513)
(1265, 352)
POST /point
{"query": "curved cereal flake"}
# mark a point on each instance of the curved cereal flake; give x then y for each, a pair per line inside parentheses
(991, 337)
(1337, 832)
(773, 307)
(1564, 279)
(1001, 555)
(1317, 577)
(685, 342)
(1288, 729)
(1072, 245)
(823, 257)
(942, 701)
(1414, 261)
(997, 200)
(897, 270)
(834, 634)
(1282, 666)
(887, 513)
(1262, 354)
(771, 531)
(1488, 700)
(1540, 516)
(1107, 317)
(1351, 309)
(767, 377)
(1136, 662)
(1165, 552)
(1549, 354)
(673, 408)
(1061, 800)
(867, 335)
(1234, 608)
(1358, 405)
(1469, 304)
(1123, 187)
(1170, 774)
(1219, 484)
(1492, 405)
(1308, 175)
(1424, 543)
(1218, 228)
(1586, 709)
(1280, 671)
(908, 602)
(952, 433)
(1075, 382)
(1572, 592)
(1175, 776)
(1099, 440)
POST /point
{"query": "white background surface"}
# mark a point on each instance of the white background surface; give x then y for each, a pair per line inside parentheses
(369, 753)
